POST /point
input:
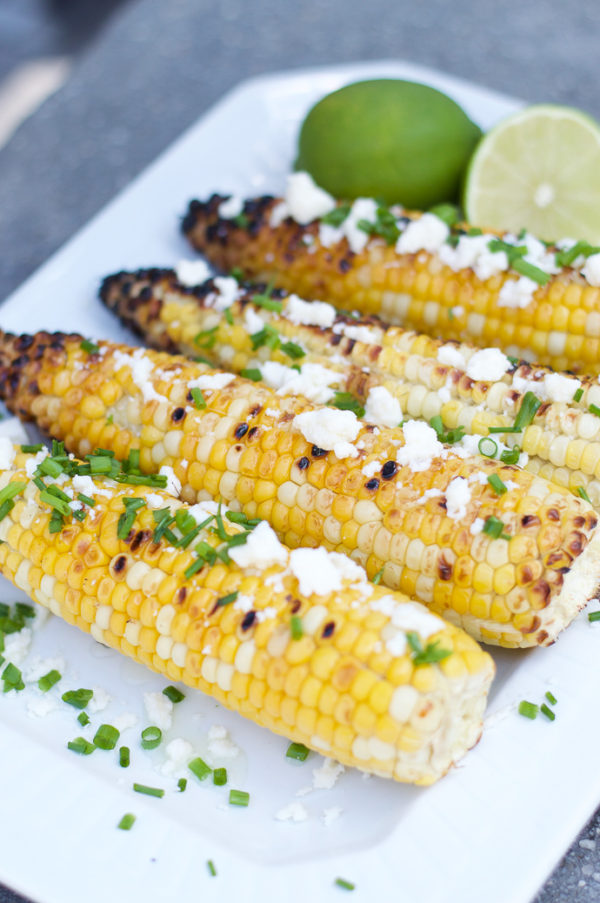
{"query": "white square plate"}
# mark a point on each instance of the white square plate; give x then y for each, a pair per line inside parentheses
(492, 829)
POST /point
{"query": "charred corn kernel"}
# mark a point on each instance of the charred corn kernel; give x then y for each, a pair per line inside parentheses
(563, 441)
(455, 565)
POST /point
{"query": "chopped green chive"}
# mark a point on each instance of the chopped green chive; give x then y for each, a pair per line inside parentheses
(228, 599)
(428, 655)
(149, 791)
(48, 680)
(296, 627)
(268, 335)
(238, 517)
(238, 274)
(504, 429)
(447, 436)
(198, 398)
(252, 373)
(297, 751)
(220, 777)
(547, 712)
(568, 256)
(127, 520)
(173, 694)
(522, 266)
(583, 494)
(77, 698)
(151, 737)
(124, 756)
(593, 616)
(211, 868)
(31, 449)
(578, 395)
(86, 500)
(89, 347)
(293, 350)
(494, 528)
(377, 577)
(511, 455)
(106, 736)
(263, 299)
(81, 746)
(488, 447)
(182, 784)
(83, 718)
(238, 798)
(127, 822)
(206, 338)
(12, 678)
(345, 885)
(336, 216)
(551, 698)
(228, 316)
(496, 483)
(11, 490)
(199, 768)
(527, 411)
(594, 409)
(528, 709)
(448, 213)
(345, 401)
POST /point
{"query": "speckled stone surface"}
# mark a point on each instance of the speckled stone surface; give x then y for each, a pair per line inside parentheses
(157, 66)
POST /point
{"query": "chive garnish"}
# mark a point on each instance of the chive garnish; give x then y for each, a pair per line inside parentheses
(199, 768)
(106, 736)
(448, 213)
(48, 680)
(127, 520)
(528, 709)
(504, 429)
(206, 338)
(522, 266)
(211, 868)
(83, 718)
(496, 483)
(345, 401)
(228, 316)
(151, 737)
(238, 798)
(428, 655)
(31, 449)
(86, 500)
(149, 791)
(268, 335)
(297, 751)
(263, 299)
(345, 885)
(578, 395)
(173, 694)
(89, 347)
(511, 455)
(296, 627)
(77, 698)
(551, 698)
(81, 746)
(594, 409)
(293, 350)
(252, 373)
(12, 678)
(228, 599)
(198, 398)
(336, 216)
(447, 436)
(488, 447)
(527, 411)
(182, 784)
(24, 610)
(583, 494)
(127, 822)
(11, 490)
(377, 577)
(220, 777)
(594, 616)
(547, 712)
(494, 528)
(124, 756)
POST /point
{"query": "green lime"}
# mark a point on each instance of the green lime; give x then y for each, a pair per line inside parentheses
(539, 169)
(400, 141)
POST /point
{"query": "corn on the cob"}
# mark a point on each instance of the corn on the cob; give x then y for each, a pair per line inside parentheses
(425, 287)
(347, 681)
(427, 377)
(495, 549)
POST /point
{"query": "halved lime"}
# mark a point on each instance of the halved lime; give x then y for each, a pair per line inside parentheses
(539, 169)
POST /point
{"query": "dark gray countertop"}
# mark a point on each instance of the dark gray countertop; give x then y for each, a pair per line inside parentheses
(157, 66)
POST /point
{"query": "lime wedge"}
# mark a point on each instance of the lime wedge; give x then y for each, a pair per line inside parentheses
(539, 170)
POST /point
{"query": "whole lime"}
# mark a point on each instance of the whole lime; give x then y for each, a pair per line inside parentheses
(400, 141)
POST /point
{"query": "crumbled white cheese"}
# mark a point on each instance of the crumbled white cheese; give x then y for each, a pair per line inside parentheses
(7, 453)
(16, 645)
(231, 208)
(309, 313)
(559, 388)
(450, 356)
(201, 510)
(159, 710)
(332, 430)
(125, 721)
(13, 429)
(313, 381)
(517, 292)
(275, 374)
(211, 381)
(38, 667)
(330, 815)
(327, 774)
(278, 214)
(477, 526)
(220, 744)
(427, 233)
(406, 617)
(322, 572)
(178, 753)
(421, 445)
(382, 408)
(591, 270)
(458, 496)
(31, 464)
(192, 272)
(362, 209)
(294, 811)
(99, 700)
(173, 486)
(41, 706)
(86, 485)
(262, 549)
(229, 291)
(537, 253)
(357, 333)
(141, 368)
(253, 323)
(304, 199)
(488, 364)
(371, 468)
(155, 501)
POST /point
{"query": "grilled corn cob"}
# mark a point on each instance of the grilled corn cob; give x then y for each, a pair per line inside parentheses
(556, 323)
(495, 549)
(366, 676)
(459, 383)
